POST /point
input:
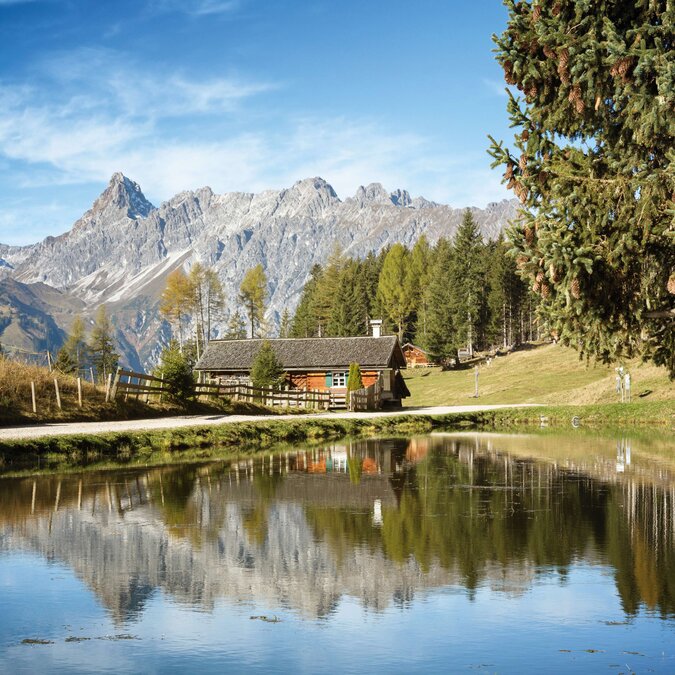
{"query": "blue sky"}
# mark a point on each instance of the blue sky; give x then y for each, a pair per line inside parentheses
(243, 95)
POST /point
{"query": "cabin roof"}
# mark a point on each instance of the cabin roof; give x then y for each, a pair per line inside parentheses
(410, 345)
(305, 353)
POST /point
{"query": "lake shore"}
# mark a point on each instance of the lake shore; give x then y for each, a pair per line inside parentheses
(51, 447)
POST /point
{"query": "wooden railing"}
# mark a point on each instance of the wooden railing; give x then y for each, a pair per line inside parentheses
(130, 383)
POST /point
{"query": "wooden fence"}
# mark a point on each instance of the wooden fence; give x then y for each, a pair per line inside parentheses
(129, 383)
(368, 398)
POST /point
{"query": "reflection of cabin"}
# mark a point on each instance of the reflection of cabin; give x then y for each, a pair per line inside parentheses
(314, 363)
(416, 357)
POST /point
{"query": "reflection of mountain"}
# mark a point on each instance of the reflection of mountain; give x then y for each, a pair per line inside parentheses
(276, 533)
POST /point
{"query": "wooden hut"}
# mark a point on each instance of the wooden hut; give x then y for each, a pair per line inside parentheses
(416, 357)
(314, 363)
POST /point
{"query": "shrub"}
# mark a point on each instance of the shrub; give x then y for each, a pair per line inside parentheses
(177, 370)
(266, 369)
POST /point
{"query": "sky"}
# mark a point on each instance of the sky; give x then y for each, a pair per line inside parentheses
(243, 95)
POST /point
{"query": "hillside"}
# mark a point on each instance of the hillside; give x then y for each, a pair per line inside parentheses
(544, 374)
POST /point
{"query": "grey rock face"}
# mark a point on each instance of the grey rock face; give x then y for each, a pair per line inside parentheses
(122, 249)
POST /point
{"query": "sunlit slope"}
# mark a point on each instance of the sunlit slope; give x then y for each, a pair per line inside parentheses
(545, 374)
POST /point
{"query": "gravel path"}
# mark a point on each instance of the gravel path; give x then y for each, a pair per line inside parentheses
(42, 430)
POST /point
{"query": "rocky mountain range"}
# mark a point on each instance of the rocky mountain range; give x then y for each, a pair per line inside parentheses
(122, 249)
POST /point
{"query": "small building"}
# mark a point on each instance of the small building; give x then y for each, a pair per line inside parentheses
(314, 363)
(416, 357)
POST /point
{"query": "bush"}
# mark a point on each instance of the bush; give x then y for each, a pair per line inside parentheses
(176, 368)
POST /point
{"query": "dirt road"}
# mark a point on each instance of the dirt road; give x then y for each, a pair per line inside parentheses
(42, 430)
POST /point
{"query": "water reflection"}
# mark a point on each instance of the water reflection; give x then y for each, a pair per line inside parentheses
(379, 520)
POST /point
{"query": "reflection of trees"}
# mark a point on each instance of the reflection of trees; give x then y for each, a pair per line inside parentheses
(470, 515)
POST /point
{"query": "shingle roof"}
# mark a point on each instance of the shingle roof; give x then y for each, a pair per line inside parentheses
(305, 353)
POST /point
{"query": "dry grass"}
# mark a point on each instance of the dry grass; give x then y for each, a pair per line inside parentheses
(545, 374)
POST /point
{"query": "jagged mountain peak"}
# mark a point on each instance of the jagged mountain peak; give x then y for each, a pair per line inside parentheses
(123, 194)
(375, 193)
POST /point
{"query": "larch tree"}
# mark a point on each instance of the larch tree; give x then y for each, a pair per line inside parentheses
(207, 299)
(393, 288)
(593, 167)
(74, 354)
(176, 302)
(253, 295)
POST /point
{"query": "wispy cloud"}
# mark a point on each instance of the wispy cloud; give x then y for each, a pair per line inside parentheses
(197, 7)
(495, 86)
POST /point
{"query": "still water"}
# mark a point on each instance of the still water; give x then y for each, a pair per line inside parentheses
(441, 553)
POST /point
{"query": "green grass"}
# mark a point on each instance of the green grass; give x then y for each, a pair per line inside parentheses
(550, 374)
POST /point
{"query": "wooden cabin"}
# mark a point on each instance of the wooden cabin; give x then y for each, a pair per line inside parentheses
(314, 363)
(416, 357)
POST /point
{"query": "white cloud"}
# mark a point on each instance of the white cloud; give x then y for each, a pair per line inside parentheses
(90, 114)
(197, 7)
(496, 87)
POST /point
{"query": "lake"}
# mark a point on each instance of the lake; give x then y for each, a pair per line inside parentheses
(438, 553)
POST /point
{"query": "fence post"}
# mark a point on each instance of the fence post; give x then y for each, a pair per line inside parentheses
(161, 390)
(32, 393)
(79, 392)
(58, 395)
(91, 373)
(108, 384)
(115, 384)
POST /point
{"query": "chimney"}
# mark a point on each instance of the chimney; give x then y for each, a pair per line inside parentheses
(376, 325)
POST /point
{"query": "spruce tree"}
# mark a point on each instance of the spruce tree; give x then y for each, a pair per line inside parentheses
(304, 323)
(592, 165)
(467, 283)
(440, 338)
(267, 369)
(236, 327)
(102, 344)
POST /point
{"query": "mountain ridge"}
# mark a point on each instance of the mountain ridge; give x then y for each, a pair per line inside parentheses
(121, 250)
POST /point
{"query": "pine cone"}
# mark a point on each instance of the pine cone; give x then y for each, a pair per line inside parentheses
(542, 177)
(579, 106)
(545, 290)
(528, 232)
(508, 174)
(671, 284)
(540, 276)
(521, 192)
(549, 52)
(575, 94)
(557, 8)
(536, 13)
(521, 261)
(522, 162)
(536, 286)
(525, 135)
(554, 273)
(563, 65)
(575, 288)
(511, 184)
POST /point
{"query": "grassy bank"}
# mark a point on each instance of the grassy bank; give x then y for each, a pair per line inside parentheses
(158, 447)
(16, 406)
(550, 374)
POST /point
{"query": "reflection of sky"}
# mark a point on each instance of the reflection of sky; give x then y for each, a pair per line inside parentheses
(441, 630)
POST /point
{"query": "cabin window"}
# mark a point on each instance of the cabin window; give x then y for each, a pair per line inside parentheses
(339, 379)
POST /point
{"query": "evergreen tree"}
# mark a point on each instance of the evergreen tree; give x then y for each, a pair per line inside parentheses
(253, 294)
(394, 289)
(326, 292)
(176, 369)
(236, 327)
(593, 167)
(285, 324)
(467, 283)
(266, 370)
(304, 322)
(74, 354)
(440, 337)
(102, 345)
(354, 380)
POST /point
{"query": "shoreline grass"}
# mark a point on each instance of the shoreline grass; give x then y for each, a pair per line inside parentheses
(190, 443)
